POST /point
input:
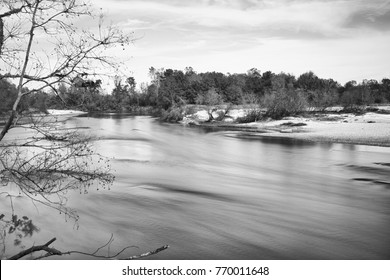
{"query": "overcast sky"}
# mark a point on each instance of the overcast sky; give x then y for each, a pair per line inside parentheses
(340, 39)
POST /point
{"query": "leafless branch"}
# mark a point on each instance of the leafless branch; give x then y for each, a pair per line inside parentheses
(44, 247)
(147, 254)
(51, 251)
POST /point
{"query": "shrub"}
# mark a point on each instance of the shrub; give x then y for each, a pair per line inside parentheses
(352, 101)
(209, 98)
(252, 116)
(191, 109)
(174, 114)
(322, 99)
(283, 103)
(234, 94)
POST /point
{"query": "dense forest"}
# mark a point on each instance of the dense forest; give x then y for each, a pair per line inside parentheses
(281, 94)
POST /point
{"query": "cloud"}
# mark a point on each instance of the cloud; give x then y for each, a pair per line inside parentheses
(235, 35)
(299, 19)
(376, 19)
(246, 22)
(239, 4)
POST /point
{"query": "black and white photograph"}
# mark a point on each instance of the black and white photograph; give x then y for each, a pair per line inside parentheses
(195, 130)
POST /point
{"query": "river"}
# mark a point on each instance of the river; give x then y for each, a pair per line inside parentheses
(223, 195)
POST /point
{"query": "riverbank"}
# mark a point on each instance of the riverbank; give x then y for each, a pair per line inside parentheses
(55, 112)
(370, 128)
(52, 115)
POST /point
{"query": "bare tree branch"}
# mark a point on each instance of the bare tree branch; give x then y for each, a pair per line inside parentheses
(50, 251)
(147, 254)
(44, 247)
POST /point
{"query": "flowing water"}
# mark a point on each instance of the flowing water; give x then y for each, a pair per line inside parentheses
(225, 195)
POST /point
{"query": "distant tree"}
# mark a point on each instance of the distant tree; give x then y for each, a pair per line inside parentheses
(309, 82)
(189, 71)
(267, 79)
(210, 98)
(133, 94)
(234, 94)
(254, 83)
(254, 72)
(121, 94)
(356, 96)
(366, 93)
(175, 88)
(321, 99)
(385, 89)
(350, 85)
(156, 75)
(8, 94)
(152, 94)
(377, 95)
(349, 100)
(283, 99)
(131, 82)
(325, 96)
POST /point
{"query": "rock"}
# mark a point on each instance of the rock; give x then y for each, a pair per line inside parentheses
(217, 113)
(189, 121)
(196, 118)
(237, 113)
(201, 116)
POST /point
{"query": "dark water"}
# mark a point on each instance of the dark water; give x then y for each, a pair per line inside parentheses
(223, 195)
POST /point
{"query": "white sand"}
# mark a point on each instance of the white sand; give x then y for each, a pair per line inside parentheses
(368, 129)
(65, 112)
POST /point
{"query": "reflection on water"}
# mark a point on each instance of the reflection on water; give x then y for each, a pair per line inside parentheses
(227, 195)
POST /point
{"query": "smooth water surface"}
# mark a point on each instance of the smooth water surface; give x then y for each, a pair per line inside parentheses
(226, 195)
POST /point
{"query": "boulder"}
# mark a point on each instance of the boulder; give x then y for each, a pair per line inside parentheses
(189, 121)
(201, 116)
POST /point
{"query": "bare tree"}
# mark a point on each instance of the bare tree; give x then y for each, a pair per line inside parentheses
(41, 47)
(68, 51)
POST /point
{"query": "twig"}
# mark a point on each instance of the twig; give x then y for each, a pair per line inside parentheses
(147, 254)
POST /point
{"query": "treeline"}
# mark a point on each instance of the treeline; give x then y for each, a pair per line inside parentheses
(282, 94)
(175, 87)
(8, 94)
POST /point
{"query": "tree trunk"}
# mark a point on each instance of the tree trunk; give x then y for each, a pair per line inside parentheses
(1, 34)
(20, 85)
(8, 124)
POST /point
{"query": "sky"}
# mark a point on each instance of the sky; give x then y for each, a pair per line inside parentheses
(340, 39)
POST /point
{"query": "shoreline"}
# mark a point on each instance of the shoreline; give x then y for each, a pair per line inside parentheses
(52, 116)
(371, 129)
